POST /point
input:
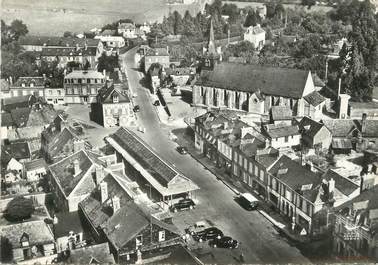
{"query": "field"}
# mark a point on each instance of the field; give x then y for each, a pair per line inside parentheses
(53, 17)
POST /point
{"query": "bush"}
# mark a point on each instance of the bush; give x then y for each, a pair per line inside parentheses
(19, 209)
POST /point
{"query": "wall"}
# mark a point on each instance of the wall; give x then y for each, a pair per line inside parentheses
(280, 142)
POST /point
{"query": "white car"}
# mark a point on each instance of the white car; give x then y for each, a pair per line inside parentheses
(198, 227)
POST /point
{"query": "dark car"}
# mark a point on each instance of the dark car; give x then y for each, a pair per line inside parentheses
(136, 108)
(224, 242)
(183, 205)
(182, 150)
(156, 103)
(208, 234)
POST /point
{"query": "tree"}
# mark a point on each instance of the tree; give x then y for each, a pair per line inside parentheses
(308, 3)
(19, 209)
(18, 29)
(107, 63)
(243, 49)
(68, 34)
(253, 18)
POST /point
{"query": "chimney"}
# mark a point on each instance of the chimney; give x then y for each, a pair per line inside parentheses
(331, 185)
(65, 72)
(76, 167)
(85, 45)
(225, 125)
(44, 76)
(104, 191)
(363, 123)
(167, 49)
(78, 145)
(104, 73)
(10, 80)
(77, 46)
(99, 174)
(116, 204)
(55, 220)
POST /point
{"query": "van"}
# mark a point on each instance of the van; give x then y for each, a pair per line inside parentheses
(248, 201)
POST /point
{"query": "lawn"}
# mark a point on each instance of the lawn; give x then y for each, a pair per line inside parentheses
(54, 17)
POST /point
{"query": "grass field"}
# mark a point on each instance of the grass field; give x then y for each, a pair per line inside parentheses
(53, 17)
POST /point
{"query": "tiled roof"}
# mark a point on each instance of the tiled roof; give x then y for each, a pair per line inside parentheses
(38, 232)
(317, 81)
(344, 185)
(267, 159)
(150, 161)
(251, 78)
(64, 173)
(157, 52)
(21, 116)
(99, 254)
(67, 222)
(85, 74)
(281, 130)
(6, 120)
(67, 52)
(17, 102)
(314, 98)
(107, 94)
(371, 128)
(341, 144)
(57, 41)
(296, 176)
(108, 32)
(58, 141)
(179, 71)
(18, 150)
(35, 164)
(28, 80)
(309, 126)
(370, 195)
(281, 113)
(129, 26)
(340, 127)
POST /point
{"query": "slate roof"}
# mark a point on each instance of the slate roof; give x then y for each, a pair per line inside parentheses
(6, 120)
(38, 81)
(280, 130)
(371, 195)
(106, 94)
(59, 140)
(344, 185)
(281, 113)
(250, 148)
(35, 164)
(38, 231)
(251, 78)
(99, 254)
(296, 176)
(57, 41)
(150, 161)
(314, 126)
(63, 171)
(314, 98)
(267, 159)
(340, 127)
(18, 150)
(85, 74)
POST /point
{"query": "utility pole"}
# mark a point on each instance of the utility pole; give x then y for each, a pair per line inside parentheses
(326, 69)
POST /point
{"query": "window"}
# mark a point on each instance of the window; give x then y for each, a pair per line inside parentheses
(59, 92)
(88, 80)
(93, 91)
(115, 99)
(262, 175)
(79, 80)
(139, 241)
(250, 170)
(84, 91)
(161, 236)
(256, 171)
(286, 139)
(245, 164)
(95, 80)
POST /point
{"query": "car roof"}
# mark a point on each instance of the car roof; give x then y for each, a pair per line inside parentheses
(203, 222)
(226, 238)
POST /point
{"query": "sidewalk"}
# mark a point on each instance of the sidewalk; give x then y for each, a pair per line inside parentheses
(238, 187)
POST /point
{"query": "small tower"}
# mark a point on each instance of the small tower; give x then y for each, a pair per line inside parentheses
(211, 44)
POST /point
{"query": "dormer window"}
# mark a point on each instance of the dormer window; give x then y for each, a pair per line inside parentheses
(115, 98)
(31, 84)
(23, 84)
(24, 240)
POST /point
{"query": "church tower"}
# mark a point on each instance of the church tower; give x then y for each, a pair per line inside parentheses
(211, 44)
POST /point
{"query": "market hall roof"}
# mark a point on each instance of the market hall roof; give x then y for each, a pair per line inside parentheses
(251, 78)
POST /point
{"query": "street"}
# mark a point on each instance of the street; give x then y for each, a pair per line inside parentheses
(260, 242)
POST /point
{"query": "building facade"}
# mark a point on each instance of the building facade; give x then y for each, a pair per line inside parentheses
(28, 86)
(157, 55)
(55, 96)
(256, 36)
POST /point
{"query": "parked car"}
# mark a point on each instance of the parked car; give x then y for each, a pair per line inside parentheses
(224, 242)
(248, 201)
(156, 103)
(136, 108)
(197, 227)
(182, 150)
(208, 234)
(183, 205)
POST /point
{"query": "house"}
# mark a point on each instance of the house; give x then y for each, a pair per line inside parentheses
(131, 232)
(37, 43)
(127, 30)
(73, 178)
(64, 55)
(113, 107)
(314, 134)
(18, 102)
(19, 151)
(14, 171)
(252, 89)
(55, 95)
(34, 170)
(112, 41)
(281, 114)
(282, 135)
(108, 32)
(154, 74)
(256, 36)
(313, 105)
(82, 86)
(156, 55)
(68, 231)
(28, 240)
(357, 109)
(179, 75)
(28, 86)
(95, 254)
(355, 234)
(165, 181)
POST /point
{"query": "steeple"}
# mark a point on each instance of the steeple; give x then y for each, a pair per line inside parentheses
(211, 44)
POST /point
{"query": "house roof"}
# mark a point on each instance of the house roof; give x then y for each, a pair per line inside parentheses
(21, 116)
(371, 128)
(59, 140)
(18, 150)
(64, 171)
(6, 120)
(309, 127)
(363, 105)
(250, 148)
(317, 81)
(267, 159)
(255, 30)
(344, 185)
(67, 51)
(280, 130)
(35, 164)
(107, 93)
(314, 98)
(99, 254)
(108, 32)
(375, 93)
(67, 222)
(341, 144)
(281, 113)
(251, 78)
(157, 52)
(296, 177)
(17, 102)
(179, 70)
(129, 26)
(57, 41)
(37, 81)
(340, 127)
(84, 74)
(38, 232)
